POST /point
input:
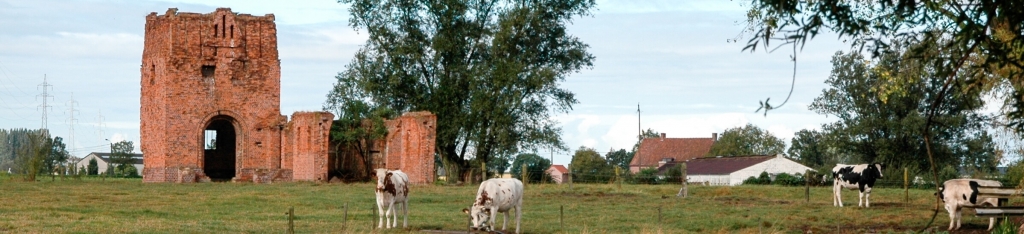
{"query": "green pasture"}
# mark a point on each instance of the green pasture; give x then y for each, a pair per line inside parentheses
(129, 206)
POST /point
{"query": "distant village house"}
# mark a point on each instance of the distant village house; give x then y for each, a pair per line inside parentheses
(656, 152)
(733, 170)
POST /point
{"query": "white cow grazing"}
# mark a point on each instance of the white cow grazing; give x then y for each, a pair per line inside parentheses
(392, 189)
(957, 193)
(494, 196)
(860, 176)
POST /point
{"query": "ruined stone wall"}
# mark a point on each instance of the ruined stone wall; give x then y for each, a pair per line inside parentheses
(409, 145)
(198, 67)
(307, 145)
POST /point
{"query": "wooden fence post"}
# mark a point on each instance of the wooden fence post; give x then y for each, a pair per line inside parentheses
(807, 185)
(291, 220)
(618, 177)
(659, 215)
(525, 174)
(683, 192)
(906, 186)
(561, 213)
(570, 176)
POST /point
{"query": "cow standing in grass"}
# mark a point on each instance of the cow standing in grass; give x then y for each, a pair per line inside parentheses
(957, 193)
(392, 189)
(496, 196)
(860, 176)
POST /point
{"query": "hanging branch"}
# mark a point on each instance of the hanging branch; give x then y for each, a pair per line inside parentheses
(767, 106)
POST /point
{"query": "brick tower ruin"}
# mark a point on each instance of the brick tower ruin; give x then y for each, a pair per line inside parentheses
(210, 103)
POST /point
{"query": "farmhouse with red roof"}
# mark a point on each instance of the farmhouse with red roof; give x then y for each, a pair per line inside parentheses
(656, 152)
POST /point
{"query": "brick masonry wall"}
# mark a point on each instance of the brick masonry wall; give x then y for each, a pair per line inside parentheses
(308, 145)
(410, 146)
(200, 67)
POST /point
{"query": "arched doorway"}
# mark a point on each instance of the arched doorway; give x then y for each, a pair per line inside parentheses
(219, 155)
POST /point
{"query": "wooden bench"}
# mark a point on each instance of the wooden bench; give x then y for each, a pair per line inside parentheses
(1003, 194)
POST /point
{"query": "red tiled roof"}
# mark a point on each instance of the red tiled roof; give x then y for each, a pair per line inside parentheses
(723, 165)
(653, 150)
(559, 168)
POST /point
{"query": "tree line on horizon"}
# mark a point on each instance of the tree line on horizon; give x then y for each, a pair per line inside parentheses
(34, 152)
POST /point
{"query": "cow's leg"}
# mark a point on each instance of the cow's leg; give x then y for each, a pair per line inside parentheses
(405, 209)
(504, 224)
(519, 216)
(390, 216)
(860, 199)
(958, 217)
(494, 217)
(838, 201)
(952, 218)
(867, 199)
(991, 223)
(380, 212)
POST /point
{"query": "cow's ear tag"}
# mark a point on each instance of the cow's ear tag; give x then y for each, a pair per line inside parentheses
(465, 210)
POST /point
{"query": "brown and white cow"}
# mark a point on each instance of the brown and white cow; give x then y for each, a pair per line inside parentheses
(496, 196)
(860, 176)
(957, 193)
(392, 189)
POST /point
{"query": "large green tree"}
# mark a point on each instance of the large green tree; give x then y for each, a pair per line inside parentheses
(536, 166)
(879, 126)
(490, 70)
(983, 34)
(357, 127)
(121, 157)
(619, 158)
(32, 153)
(747, 140)
(810, 148)
(57, 158)
(589, 167)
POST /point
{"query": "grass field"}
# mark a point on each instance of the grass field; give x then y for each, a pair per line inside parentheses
(127, 205)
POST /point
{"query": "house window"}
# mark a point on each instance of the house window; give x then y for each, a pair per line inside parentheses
(215, 29)
(208, 71)
(232, 31)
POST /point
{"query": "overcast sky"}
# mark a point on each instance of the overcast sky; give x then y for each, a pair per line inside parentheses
(673, 58)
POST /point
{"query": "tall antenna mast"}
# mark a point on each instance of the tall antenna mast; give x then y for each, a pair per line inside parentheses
(46, 86)
(640, 133)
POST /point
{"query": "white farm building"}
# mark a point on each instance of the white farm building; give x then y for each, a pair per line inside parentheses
(734, 169)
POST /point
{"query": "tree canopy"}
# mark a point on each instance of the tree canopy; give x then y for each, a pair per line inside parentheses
(810, 147)
(747, 140)
(121, 158)
(588, 166)
(886, 127)
(536, 167)
(490, 70)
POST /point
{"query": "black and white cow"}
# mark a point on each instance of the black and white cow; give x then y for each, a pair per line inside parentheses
(957, 193)
(392, 189)
(860, 176)
(496, 196)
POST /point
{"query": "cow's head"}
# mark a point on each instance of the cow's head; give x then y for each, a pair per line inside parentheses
(875, 168)
(381, 174)
(480, 215)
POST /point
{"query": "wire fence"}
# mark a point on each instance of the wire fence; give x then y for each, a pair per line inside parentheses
(902, 179)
